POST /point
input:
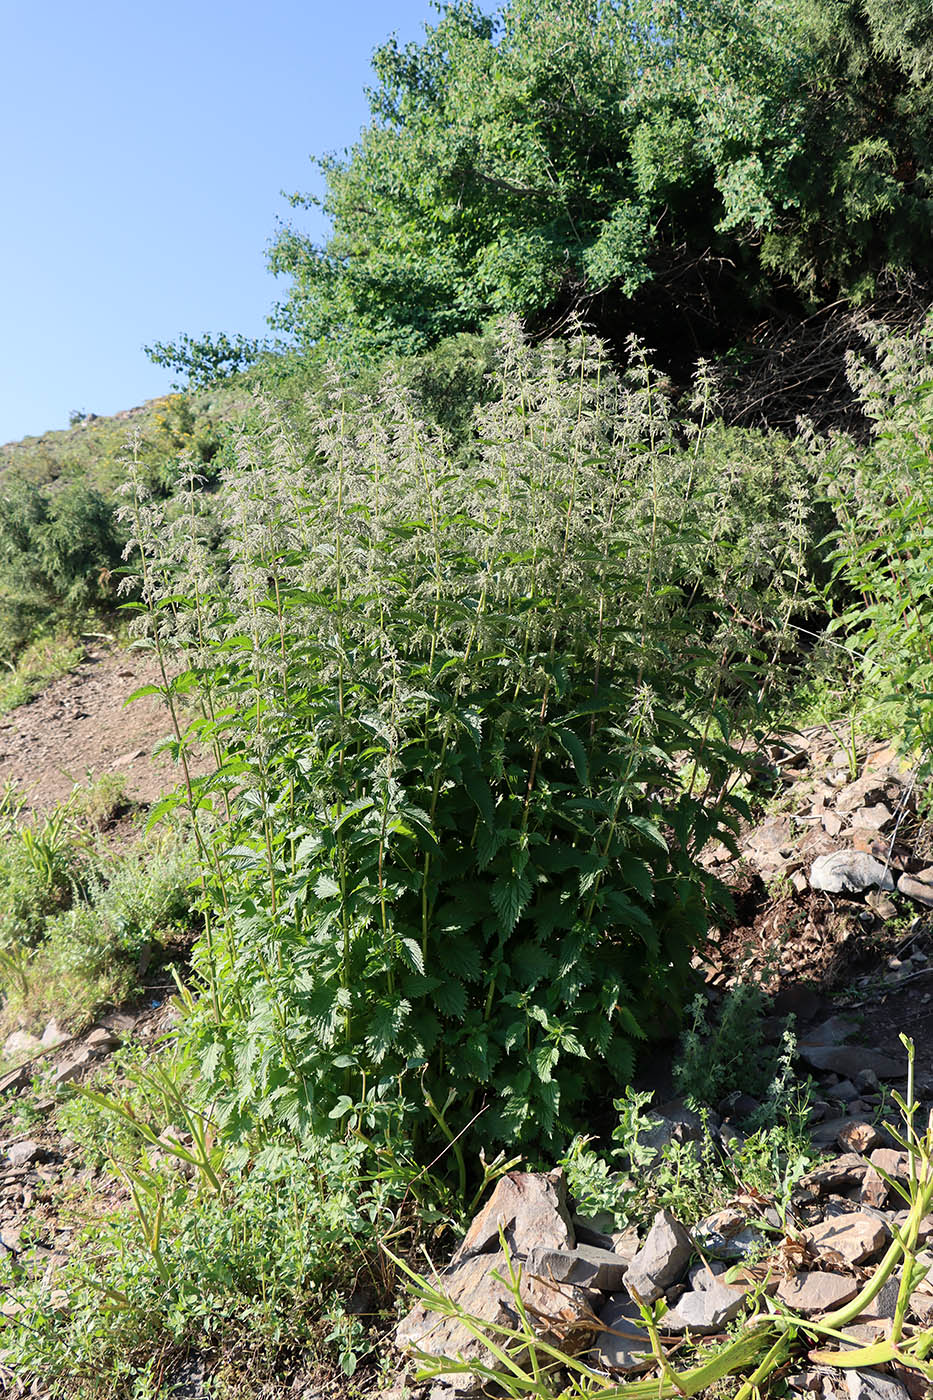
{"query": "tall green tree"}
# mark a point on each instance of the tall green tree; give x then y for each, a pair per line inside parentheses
(599, 156)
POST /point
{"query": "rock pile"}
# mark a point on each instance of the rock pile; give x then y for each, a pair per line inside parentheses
(845, 833)
(581, 1288)
(842, 851)
(36, 1165)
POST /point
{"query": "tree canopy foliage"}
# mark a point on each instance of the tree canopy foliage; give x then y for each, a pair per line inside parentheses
(598, 156)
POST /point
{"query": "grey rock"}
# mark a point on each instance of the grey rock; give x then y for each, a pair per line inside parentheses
(919, 886)
(101, 1039)
(624, 1344)
(558, 1313)
(21, 1045)
(845, 1091)
(673, 1122)
(729, 1135)
(841, 1173)
(875, 1322)
(805, 1382)
(587, 1266)
(857, 1236)
(706, 1272)
(625, 1243)
(16, 1079)
(662, 1259)
(847, 1060)
(825, 1133)
(772, 835)
(810, 1293)
(52, 1035)
(873, 1385)
(73, 1069)
(874, 1189)
(863, 792)
(726, 1235)
(530, 1208)
(738, 1106)
(881, 905)
(895, 1163)
(849, 872)
(833, 1031)
(23, 1154)
(705, 1310)
(595, 1229)
(873, 818)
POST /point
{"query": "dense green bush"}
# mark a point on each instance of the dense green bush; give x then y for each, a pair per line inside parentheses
(469, 727)
(59, 547)
(647, 156)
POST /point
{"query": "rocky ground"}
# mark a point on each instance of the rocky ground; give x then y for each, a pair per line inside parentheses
(832, 891)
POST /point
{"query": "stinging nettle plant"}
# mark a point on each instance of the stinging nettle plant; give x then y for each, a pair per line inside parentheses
(470, 727)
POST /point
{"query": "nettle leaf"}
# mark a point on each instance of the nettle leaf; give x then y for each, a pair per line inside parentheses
(544, 1058)
(637, 874)
(577, 752)
(450, 999)
(326, 887)
(489, 841)
(480, 793)
(627, 1017)
(412, 954)
(385, 1027)
(510, 894)
(530, 963)
(461, 958)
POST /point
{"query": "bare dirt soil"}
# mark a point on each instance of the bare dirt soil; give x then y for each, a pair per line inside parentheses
(82, 727)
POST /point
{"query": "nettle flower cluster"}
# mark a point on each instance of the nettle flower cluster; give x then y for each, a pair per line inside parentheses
(468, 722)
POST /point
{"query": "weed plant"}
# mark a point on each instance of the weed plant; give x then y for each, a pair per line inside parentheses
(633, 1180)
(250, 1275)
(76, 919)
(882, 554)
(728, 1054)
(471, 727)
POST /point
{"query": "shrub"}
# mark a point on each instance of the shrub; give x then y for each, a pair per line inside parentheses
(58, 549)
(460, 714)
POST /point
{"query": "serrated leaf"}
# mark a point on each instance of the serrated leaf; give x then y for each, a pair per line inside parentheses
(509, 895)
(326, 887)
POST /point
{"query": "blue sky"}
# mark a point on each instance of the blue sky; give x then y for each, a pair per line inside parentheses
(145, 148)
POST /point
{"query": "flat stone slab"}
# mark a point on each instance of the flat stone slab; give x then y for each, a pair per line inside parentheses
(840, 1174)
(855, 1236)
(847, 1060)
(811, 1293)
(705, 1310)
(558, 1313)
(587, 1266)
